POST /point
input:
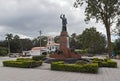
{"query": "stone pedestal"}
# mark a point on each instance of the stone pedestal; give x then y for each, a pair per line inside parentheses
(65, 51)
(63, 39)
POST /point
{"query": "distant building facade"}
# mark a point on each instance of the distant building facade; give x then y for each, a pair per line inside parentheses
(50, 47)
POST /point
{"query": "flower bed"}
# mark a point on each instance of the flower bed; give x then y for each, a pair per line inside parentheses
(22, 63)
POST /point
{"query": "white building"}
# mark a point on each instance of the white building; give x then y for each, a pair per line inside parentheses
(38, 51)
(51, 46)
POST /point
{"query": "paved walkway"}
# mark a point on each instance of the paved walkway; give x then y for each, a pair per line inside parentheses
(41, 74)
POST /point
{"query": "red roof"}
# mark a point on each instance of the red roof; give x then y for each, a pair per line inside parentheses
(38, 48)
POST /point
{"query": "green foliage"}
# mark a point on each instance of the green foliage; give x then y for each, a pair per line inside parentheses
(75, 42)
(57, 66)
(26, 44)
(81, 51)
(36, 41)
(111, 63)
(116, 47)
(105, 62)
(105, 11)
(90, 40)
(17, 45)
(82, 66)
(57, 39)
(93, 40)
(97, 9)
(22, 63)
(88, 68)
(3, 51)
(9, 36)
(23, 59)
(38, 57)
(92, 68)
(81, 62)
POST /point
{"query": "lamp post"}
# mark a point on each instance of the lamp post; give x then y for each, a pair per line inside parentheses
(40, 32)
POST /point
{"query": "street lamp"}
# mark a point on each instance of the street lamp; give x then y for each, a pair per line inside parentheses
(40, 32)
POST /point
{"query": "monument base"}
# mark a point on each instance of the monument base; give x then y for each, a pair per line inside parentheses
(65, 53)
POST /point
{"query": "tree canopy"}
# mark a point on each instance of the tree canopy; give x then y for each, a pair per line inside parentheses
(90, 39)
(105, 11)
(117, 46)
(36, 41)
(93, 40)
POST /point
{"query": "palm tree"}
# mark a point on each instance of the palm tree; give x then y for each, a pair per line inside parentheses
(9, 38)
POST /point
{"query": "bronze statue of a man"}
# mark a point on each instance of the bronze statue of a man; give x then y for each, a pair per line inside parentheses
(64, 22)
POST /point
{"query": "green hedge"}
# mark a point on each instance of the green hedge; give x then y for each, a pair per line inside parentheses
(88, 68)
(57, 66)
(109, 63)
(38, 57)
(22, 63)
(23, 59)
(81, 62)
(105, 62)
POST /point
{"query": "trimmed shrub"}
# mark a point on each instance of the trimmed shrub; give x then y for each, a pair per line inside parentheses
(105, 62)
(11, 63)
(81, 62)
(109, 63)
(57, 66)
(72, 67)
(23, 59)
(22, 63)
(92, 68)
(38, 57)
(88, 68)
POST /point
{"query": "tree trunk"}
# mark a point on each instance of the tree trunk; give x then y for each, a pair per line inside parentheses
(108, 41)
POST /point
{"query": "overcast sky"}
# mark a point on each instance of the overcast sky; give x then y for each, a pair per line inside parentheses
(26, 17)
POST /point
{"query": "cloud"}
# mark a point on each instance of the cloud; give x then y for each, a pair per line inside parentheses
(26, 18)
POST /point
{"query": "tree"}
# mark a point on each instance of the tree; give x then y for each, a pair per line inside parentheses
(3, 51)
(79, 44)
(3, 43)
(26, 44)
(73, 40)
(9, 37)
(36, 41)
(16, 37)
(57, 39)
(93, 41)
(117, 46)
(106, 11)
(15, 44)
